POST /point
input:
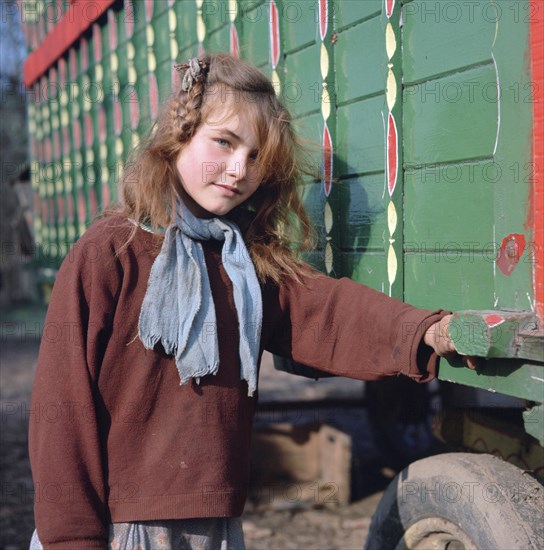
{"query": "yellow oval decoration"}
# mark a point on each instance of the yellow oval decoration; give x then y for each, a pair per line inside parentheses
(328, 257)
(151, 62)
(325, 102)
(324, 61)
(391, 218)
(328, 217)
(114, 62)
(276, 82)
(390, 41)
(391, 90)
(172, 19)
(149, 35)
(118, 146)
(174, 48)
(98, 72)
(391, 265)
(233, 10)
(200, 28)
(131, 52)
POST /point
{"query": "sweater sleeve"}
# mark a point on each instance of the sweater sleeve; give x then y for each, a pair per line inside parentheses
(347, 329)
(65, 448)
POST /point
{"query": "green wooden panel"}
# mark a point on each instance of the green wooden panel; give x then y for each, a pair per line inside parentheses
(514, 149)
(161, 34)
(349, 12)
(516, 378)
(301, 84)
(361, 136)
(164, 76)
(313, 196)
(362, 222)
(140, 49)
(298, 24)
(361, 61)
(310, 128)
(138, 14)
(254, 36)
(218, 40)
(451, 118)
(186, 24)
(215, 14)
(368, 268)
(439, 37)
(447, 278)
(450, 203)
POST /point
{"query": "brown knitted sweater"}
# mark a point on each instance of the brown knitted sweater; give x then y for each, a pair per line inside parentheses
(113, 435)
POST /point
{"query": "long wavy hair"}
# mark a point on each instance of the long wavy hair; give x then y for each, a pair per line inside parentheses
(273, 220)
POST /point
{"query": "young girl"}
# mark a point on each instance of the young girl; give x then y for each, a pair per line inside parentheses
(144, 396)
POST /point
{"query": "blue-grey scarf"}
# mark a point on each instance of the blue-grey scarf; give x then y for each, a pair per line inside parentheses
(178, 309)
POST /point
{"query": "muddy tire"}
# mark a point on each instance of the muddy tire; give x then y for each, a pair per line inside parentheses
(460, 501)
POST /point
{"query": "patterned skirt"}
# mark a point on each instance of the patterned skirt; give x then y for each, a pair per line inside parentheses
(178, 534)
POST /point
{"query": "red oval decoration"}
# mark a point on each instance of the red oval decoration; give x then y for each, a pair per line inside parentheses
(77, 134)
(112, 30)
(117, 116)
(101, 124)
(392, 154)
(56, 144)
(62, 71)
(60, 207)
(510, 252)
(48, 151)
(327, 160)
(148, 10)
(493, 320)
(174, 75)
(234, 44)
(89, 132)
(274, 34)
(153, 96)
(129, 18)
(65, 141)
(70, 202)
(97, 40)
(81, 207)
(323, 18)
(105, 194)
(72, 58)
(389, 7)
(84, 53)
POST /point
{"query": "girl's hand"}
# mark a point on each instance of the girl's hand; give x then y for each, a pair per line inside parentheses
(438, 338)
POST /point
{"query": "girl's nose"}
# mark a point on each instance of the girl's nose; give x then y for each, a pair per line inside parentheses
(238, 168)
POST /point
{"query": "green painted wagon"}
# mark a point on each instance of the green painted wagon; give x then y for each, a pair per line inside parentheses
(430, 116)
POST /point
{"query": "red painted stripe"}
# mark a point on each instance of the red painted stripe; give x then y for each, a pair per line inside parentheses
(274, 33)
(323, 18)
(153, 95)
(389, 7)
(392, 154)
(234, 43)
(78, 18)
(537, 66)
(327, 160)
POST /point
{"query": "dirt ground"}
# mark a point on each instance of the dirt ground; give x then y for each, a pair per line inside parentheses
(272, 524)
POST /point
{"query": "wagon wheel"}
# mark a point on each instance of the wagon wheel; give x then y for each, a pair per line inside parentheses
(400, 413)
(459, 501)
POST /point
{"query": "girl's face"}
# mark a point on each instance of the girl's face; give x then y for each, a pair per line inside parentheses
(218, 168)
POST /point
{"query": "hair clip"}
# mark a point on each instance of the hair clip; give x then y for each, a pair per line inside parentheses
(194, 70)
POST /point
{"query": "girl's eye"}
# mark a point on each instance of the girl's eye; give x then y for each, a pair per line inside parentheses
(222, 142)
(253, 156)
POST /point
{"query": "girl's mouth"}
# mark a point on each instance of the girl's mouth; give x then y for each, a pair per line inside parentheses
(229, 190)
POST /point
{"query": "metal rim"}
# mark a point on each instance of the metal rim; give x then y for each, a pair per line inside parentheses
(435, 534)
